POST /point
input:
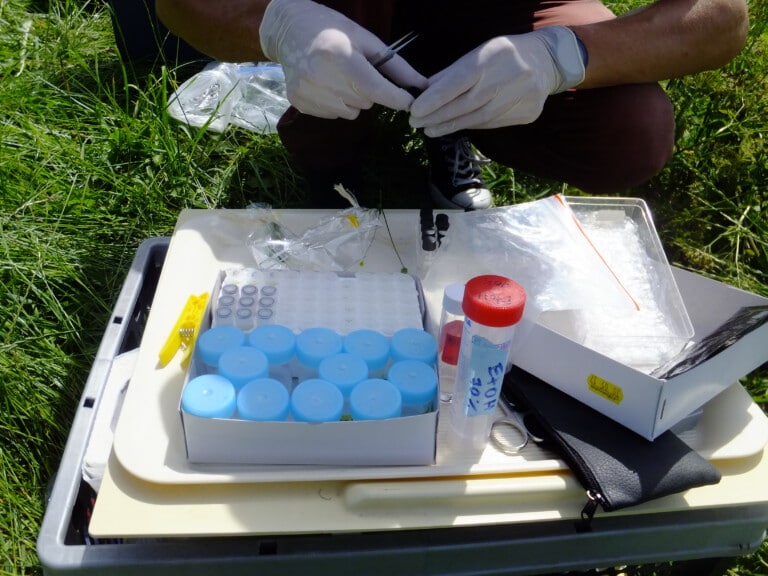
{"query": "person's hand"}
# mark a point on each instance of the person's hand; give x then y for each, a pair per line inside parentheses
(503, 82)
(325, 57)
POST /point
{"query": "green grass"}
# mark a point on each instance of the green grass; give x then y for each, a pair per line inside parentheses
(90, 166)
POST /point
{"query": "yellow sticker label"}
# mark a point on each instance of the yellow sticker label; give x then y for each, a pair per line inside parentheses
(605, 389)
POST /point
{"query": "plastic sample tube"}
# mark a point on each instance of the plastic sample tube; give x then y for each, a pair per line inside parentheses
(375, 399)
(264, 399)
(244, 319)
(242, 364)
(224, 316)
(371, 345)
(227, 301)
(417, 383)
(279, 344)
(345, 370)
(449, 339)
(316, 400)
(209, 396)
(451, 324)
(312, 346)
(492, 305)
(276, 341)
(413, 344)
(214, 341)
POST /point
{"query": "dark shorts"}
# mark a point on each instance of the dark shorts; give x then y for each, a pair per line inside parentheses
(600, 140)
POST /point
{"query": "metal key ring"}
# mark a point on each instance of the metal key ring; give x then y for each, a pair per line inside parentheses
(499, 440)
(512, 418)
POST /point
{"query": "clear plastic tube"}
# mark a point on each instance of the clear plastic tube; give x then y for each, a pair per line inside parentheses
(492, 305)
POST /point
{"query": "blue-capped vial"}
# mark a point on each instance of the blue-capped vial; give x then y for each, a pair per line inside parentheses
(312, 346)
(264, 400)
(372, 346)
(344, 370)
(276, 341)
(209, 396)
(375, 399)
(215, 341)
(413, 344)
(417, 383)
(316, 400)
(242, 364)
(279, 344)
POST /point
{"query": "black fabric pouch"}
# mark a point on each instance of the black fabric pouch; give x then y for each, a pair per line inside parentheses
(617, 467)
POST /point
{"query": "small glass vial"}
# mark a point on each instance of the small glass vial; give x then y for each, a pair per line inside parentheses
(244, 319)
(449, 339)
(266, 304)
(492, 305)
(224, 316)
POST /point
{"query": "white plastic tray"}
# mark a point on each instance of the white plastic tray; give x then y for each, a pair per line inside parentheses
(149, 440)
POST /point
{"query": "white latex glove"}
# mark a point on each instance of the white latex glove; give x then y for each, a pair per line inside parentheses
(325, 57)
(503, 82)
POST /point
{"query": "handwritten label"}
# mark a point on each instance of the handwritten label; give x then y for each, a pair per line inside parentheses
(486, 364)
(605, 389)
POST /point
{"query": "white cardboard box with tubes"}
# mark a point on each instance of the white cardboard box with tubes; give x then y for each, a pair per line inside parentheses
(301, 300)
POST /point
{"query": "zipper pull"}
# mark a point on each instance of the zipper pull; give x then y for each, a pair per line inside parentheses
(595, 499)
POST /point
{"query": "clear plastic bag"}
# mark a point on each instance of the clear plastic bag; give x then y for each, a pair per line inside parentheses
(251, 96)
(571, 285)
(338, 242)
(538, 245)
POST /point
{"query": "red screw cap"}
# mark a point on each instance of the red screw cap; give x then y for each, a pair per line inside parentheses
(493, 300)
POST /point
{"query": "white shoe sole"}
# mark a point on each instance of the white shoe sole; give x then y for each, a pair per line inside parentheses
(471, 199)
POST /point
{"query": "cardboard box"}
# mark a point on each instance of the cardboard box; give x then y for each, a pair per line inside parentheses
(398, 441)
(408, 440)
(646, 404)
(652, 323)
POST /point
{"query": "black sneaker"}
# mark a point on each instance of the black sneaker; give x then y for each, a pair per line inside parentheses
(455, 180)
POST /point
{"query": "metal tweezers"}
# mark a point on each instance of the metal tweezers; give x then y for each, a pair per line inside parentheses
(389, 52)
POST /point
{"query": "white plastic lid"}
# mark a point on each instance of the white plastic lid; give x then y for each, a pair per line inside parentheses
(452, 297)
